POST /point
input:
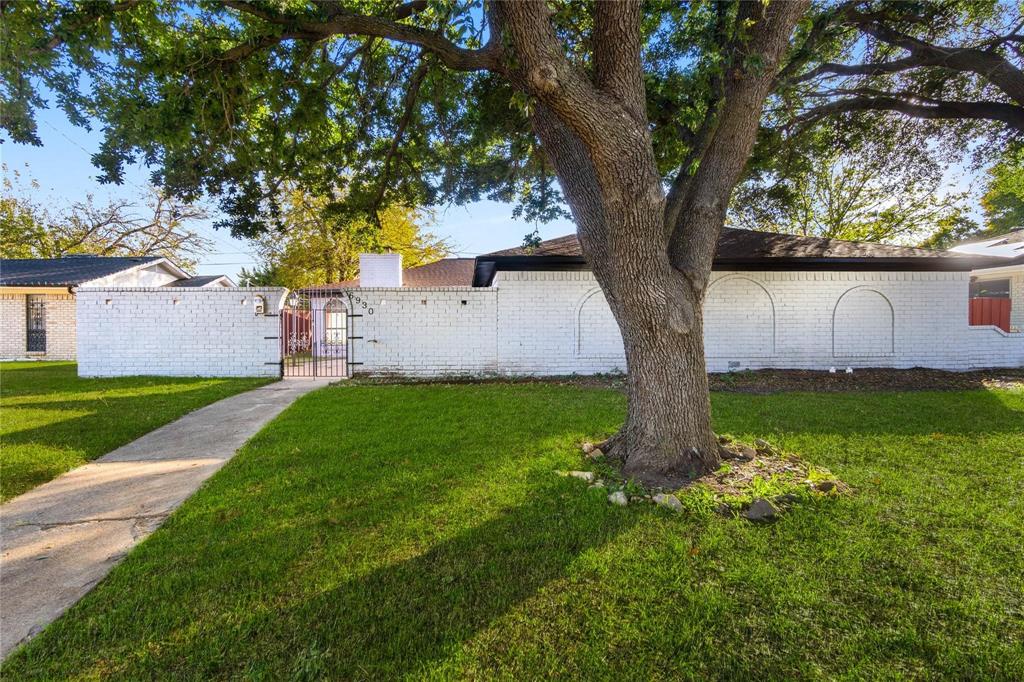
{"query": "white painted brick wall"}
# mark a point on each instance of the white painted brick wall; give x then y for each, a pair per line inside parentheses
(424, 331)
(380, 270)
(178, 332)
(553, 323)
(60, 327)
(739, 319)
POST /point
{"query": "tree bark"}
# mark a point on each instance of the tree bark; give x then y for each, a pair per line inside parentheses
(667, 438)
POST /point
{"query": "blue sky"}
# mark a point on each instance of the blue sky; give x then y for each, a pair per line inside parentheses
(65, 173)
(63, 168)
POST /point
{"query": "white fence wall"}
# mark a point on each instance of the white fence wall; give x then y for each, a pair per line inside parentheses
(178, 332)
(424, 331)
(552, 323)
(555, 323)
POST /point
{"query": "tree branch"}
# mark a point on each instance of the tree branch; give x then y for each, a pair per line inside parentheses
(617, 54)
(409, 104)
(344, 22)
(599, 120)
(700, 140)
(830, 70)
(924, 108)
(243, 50)
(989, 65)
(696, 226)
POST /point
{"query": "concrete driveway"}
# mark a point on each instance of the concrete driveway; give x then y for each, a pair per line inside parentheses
(63, 537)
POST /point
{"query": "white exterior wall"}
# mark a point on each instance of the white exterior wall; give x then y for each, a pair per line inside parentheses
(178, 331)
(60, 327)
(555, 323)
(432, 331)
(864, 319)
(550, 323)
(152, 275)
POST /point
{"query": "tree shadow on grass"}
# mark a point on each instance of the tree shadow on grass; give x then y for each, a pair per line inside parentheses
(399, 618)
(107, 413)
(868, 414)
(79, 430)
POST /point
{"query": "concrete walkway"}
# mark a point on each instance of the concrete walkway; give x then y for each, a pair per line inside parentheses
(63, 537)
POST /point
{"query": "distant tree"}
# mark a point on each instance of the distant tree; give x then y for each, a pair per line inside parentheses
(155, 225)
(1003, 202)
(317, 242)
(858, 197)
(265, 275)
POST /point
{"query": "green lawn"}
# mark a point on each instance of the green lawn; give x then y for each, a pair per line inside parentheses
(52, 421)
(419, 531)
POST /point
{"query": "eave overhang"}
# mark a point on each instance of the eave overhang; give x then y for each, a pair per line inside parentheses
(488, 266)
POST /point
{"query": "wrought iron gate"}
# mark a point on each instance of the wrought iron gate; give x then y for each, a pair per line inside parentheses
(316, 335)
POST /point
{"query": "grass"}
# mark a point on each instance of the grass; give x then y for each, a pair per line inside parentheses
(53, 421)
(419, 531)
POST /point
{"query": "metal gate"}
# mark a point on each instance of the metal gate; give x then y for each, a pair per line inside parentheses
(316, 335)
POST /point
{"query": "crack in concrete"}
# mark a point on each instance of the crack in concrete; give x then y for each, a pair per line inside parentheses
(60, 524)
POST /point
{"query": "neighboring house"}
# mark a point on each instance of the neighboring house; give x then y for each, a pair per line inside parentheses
(775, 300)
(37, 297)
(997, 293)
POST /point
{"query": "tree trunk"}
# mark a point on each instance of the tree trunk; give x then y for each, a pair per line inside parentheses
(667, 438)
(619, 211)
(651, 253)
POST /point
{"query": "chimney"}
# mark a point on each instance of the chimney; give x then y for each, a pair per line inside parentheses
(380, 270)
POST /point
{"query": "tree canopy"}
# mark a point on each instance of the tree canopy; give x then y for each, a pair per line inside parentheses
(647, 113)
(868, 196)
(410, 103)
(1003, 201)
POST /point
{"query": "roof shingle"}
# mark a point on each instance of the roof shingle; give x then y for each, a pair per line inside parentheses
(67, 271)
(747, 244)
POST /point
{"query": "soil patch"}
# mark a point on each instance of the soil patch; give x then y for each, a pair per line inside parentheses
(766, 381)
(756, 481)
(785, 380)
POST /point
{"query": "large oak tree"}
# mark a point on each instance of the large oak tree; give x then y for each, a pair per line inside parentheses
(646, 113)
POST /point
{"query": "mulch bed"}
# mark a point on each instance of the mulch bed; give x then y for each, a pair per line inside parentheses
(765, 381)
(779, 380)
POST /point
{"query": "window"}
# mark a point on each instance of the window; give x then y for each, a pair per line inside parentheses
(35, 324)
(990, 288)
(260, 305)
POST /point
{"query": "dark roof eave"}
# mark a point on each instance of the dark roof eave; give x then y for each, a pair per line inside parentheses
(860, 264)
(487, 266)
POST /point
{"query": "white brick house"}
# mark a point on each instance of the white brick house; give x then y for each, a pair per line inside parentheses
(775, 301)
(37, 297)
